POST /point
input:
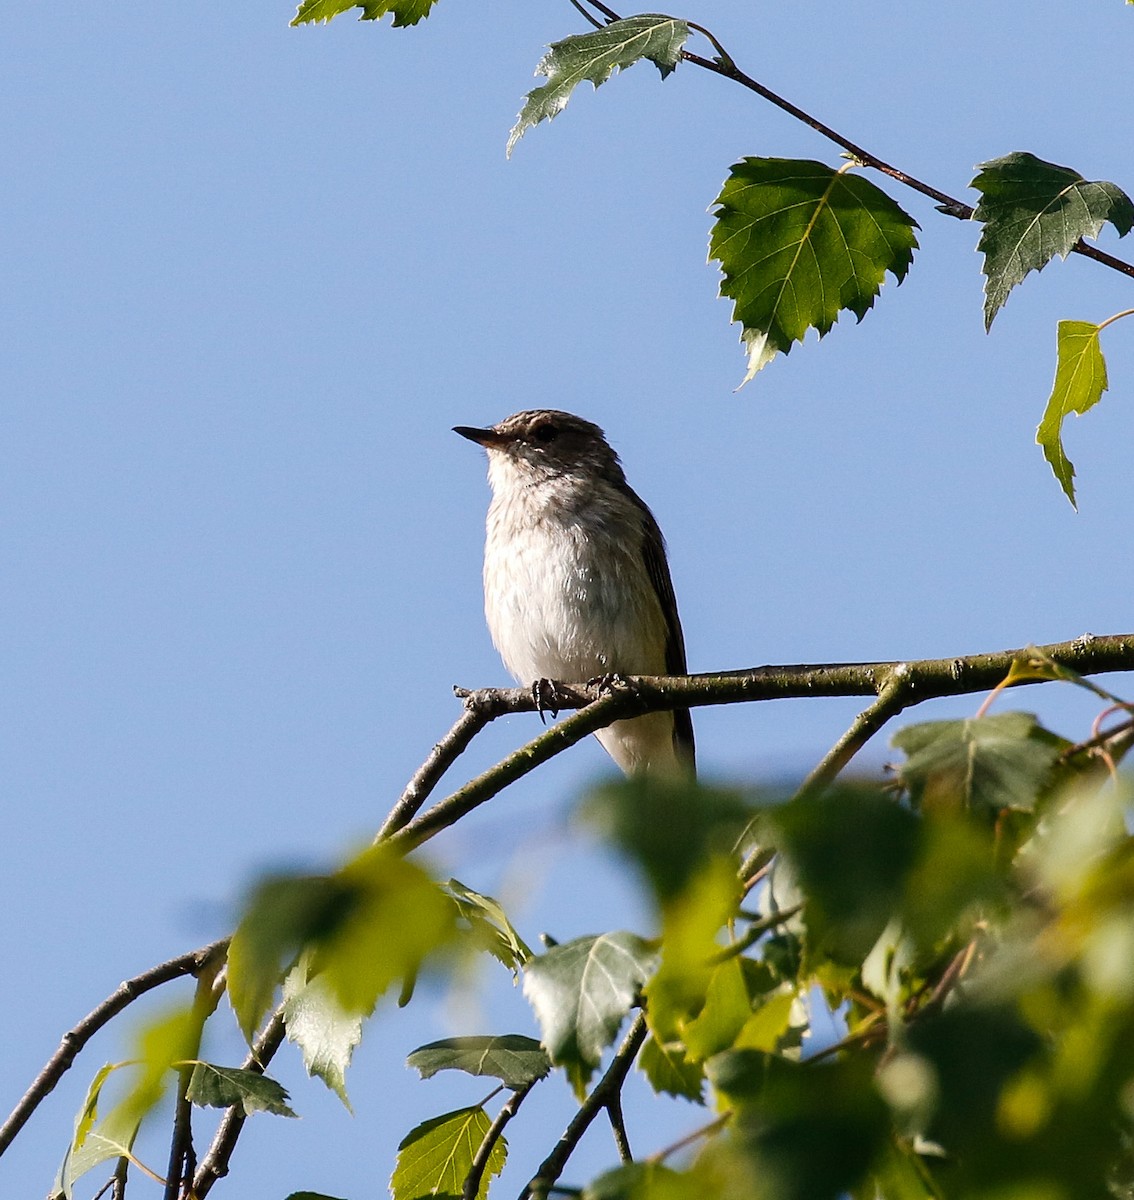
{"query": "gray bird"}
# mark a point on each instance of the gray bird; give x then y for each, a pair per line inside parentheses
(576, 582)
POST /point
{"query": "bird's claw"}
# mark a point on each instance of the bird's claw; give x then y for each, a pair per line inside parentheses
(609, 682)
(545, 695)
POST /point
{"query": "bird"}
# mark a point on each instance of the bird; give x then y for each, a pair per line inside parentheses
(576, 581)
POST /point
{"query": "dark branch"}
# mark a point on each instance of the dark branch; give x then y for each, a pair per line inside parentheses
(605, 1092)
(75, 1039)
(214, 1166)
(511, 1106)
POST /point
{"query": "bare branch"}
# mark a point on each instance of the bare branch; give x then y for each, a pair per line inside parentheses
(480, 1159)
(193, 963)
(605, 1091)
(214, 1166)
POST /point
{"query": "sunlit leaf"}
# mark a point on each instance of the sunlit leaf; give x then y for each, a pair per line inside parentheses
(594, 57)
(637, 1181)
(223, 1087)
(799, 243)
(405, 12)
(691, 923)
(489, 925)
(434, 1159)
(1033, 210)
(581, 991)
(324, 1031)
(512, 1058)
(1080, 380)
(725, 1012)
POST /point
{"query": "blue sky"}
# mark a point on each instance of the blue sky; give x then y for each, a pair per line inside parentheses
(252, 275)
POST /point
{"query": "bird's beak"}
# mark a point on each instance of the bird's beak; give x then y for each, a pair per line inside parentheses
(485, 437)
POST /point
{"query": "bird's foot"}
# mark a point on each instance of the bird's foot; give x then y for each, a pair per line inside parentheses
(610, 682)
(545, 694)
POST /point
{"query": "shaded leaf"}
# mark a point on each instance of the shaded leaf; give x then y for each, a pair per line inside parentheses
(581, 991)
(489, 925)
(1033, 210)
(222, 1087)
(636, 1181)
(310, 1196)
(799, 243)
(324, 1031)
(669, 1070)
(1080, 380)
(668, 828)
(434, 1159)
(405, 12)
(983, 764)
(850, 850)
(512, 1058)
(595, 57)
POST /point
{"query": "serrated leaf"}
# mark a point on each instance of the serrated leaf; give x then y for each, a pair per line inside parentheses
(1080, 380)
(983, 764)
(434, 1159)
(1033, 210)
(595, 57)
(212, 1086)
(406, 12)
(324, 1031)
(512, 1058)
(670, 1071)
(111, 1138)
(489, 925)
(581, 991)
(799, 243)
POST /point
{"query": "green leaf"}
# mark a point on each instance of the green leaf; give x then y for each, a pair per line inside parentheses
(512, 1058)
(595, 57)
(726, 1010)
(310, 1196)
(489, 925)
(669, 1070)
(222, 1087)
(668, 829)
(1080, 380)
(434, 1159)
(80, 1157)
(798, 243)
(581, 991)
(324, 1031)
(691, 922)
(367, 925)
(406, 12)
(1033, 210)
(636, 1181)
(982, 764)
(850, 850)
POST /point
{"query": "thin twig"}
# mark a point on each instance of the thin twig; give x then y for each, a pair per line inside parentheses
(586, 15)
(440, 759)
(618, 1128)
(703, 1132)
(753, 934)
(606, 1088)
(214, 1166)
(75, 1039)
(492, 1135)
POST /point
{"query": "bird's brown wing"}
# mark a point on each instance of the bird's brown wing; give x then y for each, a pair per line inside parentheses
(658, 568)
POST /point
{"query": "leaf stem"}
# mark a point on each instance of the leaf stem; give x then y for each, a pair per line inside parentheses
(1129, 312)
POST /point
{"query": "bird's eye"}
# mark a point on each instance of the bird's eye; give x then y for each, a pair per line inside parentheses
(545, 433)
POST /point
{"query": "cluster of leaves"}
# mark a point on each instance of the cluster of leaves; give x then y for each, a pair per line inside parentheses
(969, 923)
(800, 242)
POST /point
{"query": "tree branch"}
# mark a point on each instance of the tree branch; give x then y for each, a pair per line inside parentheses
(606, 1090)
(600, 704)
(492, 1136)
(75, 1039)
(214, 1166)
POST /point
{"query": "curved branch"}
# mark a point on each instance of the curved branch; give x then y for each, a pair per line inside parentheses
(214, 1165)
(600, 704)
(511, 1106)
(193, 963)
(605, 1093)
